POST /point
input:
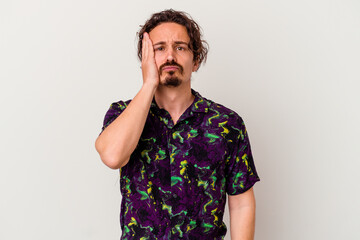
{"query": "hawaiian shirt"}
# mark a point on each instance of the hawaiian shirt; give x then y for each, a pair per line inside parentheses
(175, 183)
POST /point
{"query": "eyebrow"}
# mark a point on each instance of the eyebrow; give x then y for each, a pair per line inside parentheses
(176, 42)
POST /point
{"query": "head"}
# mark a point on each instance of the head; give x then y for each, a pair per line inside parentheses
(177, 42)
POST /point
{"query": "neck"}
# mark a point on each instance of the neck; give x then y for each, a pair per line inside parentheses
(175, 100)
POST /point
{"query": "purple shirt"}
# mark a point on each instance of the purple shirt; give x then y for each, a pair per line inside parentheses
(175, 183)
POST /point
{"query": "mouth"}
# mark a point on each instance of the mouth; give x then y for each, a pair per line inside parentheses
(170, 68)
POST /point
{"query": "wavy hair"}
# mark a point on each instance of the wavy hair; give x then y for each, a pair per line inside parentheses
(197, 45)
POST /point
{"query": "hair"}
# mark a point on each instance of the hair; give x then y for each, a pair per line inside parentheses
(197, 45)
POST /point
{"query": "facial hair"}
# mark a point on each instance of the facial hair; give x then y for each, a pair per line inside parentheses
(171, 80)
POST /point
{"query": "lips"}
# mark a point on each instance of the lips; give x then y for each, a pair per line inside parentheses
(170, 68)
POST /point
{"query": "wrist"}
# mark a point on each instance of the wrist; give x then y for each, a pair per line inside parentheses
(149, 86)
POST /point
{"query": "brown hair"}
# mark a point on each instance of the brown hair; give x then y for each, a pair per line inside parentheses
(198, 46)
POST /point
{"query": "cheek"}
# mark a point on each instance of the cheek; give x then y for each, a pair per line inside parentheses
(158, 60)
(189, 67)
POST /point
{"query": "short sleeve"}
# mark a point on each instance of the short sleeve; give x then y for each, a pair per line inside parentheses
(114, 111)
(241, 174)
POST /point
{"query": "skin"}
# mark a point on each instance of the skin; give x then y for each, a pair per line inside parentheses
(242, 215)
(169, 41)
(166, 43)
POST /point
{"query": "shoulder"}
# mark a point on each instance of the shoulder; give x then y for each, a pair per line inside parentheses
(226, 121)
(115, 109)
(119, 105)
(222, 113)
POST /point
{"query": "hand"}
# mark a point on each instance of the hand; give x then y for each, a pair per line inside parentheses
(148, 65)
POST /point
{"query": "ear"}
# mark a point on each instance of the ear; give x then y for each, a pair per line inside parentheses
(196, 66)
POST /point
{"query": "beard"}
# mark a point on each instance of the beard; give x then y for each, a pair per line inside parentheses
(172, 80)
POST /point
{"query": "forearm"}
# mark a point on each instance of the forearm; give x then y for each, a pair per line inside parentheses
(118, 140)
(242, 215)
(242, 223)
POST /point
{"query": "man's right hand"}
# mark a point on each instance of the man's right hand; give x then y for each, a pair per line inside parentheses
(118, 140)
(148, 65)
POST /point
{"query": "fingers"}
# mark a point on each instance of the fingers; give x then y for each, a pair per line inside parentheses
(148, 64)
(147, 47)
(150, 46)
(144, 50)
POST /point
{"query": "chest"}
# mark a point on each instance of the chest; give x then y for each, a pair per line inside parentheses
(193, 146)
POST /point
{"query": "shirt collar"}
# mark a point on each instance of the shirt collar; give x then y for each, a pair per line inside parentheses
(199, 104)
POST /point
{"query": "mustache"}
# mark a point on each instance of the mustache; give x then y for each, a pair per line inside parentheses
(172, 63)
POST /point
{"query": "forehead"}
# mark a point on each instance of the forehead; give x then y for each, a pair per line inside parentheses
(169, 32)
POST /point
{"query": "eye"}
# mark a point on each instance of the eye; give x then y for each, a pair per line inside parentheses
(159, 49)
(180, 48)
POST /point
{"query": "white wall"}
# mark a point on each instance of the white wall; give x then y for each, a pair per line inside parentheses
(289, 68)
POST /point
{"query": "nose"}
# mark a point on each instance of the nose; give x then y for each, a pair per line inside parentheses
(170, 55)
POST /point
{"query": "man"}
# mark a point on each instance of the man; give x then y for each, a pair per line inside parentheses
(178, 152)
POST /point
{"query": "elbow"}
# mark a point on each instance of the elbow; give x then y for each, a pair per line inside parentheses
(110, 158)
(113, 162)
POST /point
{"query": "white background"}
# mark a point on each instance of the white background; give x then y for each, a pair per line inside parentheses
(289, 68)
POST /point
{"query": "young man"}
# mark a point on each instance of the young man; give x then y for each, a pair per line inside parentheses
(178, 152)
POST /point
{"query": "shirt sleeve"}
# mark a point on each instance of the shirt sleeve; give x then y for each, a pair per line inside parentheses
(241, 174)
(114, 111)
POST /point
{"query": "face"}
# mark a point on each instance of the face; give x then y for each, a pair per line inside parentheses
(173, 56)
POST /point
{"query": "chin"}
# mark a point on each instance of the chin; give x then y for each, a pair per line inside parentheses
(171, 81)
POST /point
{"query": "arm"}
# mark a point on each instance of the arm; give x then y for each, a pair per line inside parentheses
(242, 215)
(118, 140)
